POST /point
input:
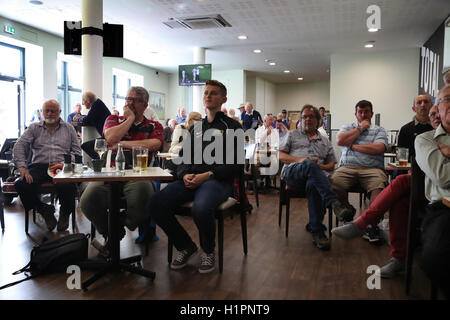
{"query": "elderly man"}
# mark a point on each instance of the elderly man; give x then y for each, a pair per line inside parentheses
(309, 161)
(233, 115)
(446, 76)
(362, 159)
(433, 157)
(250, 118)
(181, 115)
(420, 124)
(395, 198)
(266, 133)
(131, 130)
(208, 185)
(76, 114)
(49, 140)
(224, 110)
(98, 112)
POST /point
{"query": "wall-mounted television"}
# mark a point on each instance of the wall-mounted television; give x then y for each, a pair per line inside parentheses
(194, 74)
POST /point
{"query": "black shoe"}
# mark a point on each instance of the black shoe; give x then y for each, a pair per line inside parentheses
(343, 212)
(373, 235)
(308, 227)
(321, 241)
(63, 221)
(48, 213)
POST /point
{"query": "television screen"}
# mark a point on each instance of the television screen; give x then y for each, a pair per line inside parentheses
(194, 74)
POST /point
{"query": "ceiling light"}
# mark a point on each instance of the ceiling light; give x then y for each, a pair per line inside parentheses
(257, 51)
(369, 44)
(272, 63)
(300, 78)
(36, 2)
(372, 30)
(286, 71)
(242, 37)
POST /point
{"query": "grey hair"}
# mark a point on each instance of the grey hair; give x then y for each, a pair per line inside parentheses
(140, 91)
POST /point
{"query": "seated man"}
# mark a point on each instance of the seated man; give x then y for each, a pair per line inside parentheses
(309, 160)
(208, 185)
(395, 198)
(433, 157)
(266, 133)
(49, 140)
(76, 114)
(362, 160)
(98, 112)
(131, 130)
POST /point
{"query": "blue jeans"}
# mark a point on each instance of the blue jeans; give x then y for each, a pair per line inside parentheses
(206, 199)
(307, 175)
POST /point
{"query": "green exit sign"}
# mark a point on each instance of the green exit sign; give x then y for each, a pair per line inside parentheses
(9, 29)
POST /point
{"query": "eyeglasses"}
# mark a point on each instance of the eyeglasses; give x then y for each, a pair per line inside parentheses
(445, 100)
(130, 99)
(308, 116)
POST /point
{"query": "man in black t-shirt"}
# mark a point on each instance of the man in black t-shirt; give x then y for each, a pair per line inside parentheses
(420, 124)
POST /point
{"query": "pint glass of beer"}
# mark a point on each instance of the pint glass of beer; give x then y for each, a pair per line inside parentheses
(140, 159)
(402, 156)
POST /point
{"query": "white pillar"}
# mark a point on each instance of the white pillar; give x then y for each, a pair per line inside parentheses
(197, 91)
(92, 57)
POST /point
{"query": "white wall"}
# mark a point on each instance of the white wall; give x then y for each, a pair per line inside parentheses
(293, 96)
(389, 79)
(235, 82)
(261, 93)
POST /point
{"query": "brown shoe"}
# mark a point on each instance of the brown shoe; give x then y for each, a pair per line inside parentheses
(321, 241)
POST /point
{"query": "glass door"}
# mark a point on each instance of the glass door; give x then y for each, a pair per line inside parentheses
(11, 103)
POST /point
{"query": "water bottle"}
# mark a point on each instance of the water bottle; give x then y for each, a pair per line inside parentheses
(78, 164)
(120, 159)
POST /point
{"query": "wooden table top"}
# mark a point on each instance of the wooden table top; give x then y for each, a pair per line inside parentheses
(152, 173)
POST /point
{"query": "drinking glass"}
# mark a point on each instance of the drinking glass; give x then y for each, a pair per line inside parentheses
(402, 156)
(140, 159)
(100, 147)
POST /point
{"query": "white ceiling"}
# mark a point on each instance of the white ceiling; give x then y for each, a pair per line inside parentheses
(299, 35)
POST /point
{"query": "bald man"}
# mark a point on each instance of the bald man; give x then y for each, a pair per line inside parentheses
(49, 140)
(420, 124)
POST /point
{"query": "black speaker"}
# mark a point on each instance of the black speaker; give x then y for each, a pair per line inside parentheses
(113, 40)
(72, 37)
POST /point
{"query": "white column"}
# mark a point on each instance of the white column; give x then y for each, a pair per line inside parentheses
(197, 91)
(92, 57)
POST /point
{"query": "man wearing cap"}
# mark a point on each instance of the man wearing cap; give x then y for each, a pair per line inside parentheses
(285, 119)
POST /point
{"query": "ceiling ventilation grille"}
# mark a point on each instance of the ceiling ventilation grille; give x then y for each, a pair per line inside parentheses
(198, 23)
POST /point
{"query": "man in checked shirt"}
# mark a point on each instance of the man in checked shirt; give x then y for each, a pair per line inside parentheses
(49, 140)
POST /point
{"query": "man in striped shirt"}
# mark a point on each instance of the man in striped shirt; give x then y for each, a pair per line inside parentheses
(362, 159)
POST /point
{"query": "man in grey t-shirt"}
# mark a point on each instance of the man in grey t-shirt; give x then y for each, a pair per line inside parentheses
(309, 160)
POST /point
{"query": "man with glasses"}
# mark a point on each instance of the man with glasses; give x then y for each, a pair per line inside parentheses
(419, 124)
(433, 157)
(395, 198)
(309, 160)
(49, 140)
(362, 161)
(131, 130)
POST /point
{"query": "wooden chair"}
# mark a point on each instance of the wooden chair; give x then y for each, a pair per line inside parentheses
(288, 192)
(229, 207)
(416, 213)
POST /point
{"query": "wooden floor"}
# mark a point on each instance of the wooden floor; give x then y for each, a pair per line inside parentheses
(275, 267)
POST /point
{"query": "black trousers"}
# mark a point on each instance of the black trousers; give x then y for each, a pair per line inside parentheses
(88, 147)
(28, 191)
(435, 260)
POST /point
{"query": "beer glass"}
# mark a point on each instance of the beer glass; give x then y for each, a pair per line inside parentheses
(402, 156)
(140, 159)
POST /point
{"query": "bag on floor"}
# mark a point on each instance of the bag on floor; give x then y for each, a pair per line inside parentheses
(54, 256)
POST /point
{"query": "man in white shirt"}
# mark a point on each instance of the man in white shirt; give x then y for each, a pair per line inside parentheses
(266, 133)
(433, 157)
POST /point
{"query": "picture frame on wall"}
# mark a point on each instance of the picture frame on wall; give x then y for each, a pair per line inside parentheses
(158, 103)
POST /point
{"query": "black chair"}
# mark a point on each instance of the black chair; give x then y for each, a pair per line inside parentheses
(288, 192)
(2, 217)
(252, 175)
(357, 188)
(229, 207)
(417, 211)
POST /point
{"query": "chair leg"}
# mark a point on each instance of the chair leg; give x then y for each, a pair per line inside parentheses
(360, 200)
(288, 200)
(92, 232)
(244, 230)
(220, 240)
(280, 210)
(255, 189)
(330, 221)
(26, 220)
(169, 251)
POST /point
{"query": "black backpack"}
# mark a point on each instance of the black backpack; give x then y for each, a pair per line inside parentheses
(54, 256)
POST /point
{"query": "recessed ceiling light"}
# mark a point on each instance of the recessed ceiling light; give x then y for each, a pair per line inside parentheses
(369, 44)
(372, 30)
(257, 51)
(242, 37)
(286, 71)
(272, 63)
(300, 78)
(37, 2)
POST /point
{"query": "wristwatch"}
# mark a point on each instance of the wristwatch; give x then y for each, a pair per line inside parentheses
(359, 128)
(211, 174)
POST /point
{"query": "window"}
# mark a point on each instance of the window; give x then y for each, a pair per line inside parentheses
(69, 84)
(122, 81)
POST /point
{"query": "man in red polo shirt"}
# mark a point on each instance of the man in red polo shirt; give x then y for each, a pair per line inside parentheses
(131, 130)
